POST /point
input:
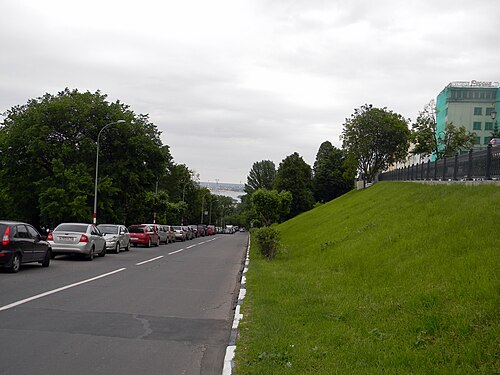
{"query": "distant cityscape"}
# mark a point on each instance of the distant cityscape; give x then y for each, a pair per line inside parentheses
(234, 191)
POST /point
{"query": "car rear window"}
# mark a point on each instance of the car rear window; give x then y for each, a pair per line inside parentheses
(136, 229)
(82, 228)
(177, 228)
(111, 229)
(3, 227)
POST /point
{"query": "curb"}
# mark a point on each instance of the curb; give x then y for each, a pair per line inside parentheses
(231, 348)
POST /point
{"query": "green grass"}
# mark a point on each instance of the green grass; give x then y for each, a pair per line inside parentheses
(399, 278)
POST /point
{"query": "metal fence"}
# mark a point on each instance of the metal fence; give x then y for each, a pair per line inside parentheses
(474, 165)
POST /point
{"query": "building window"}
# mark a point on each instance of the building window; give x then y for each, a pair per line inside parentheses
(488, 111)
(476, 125)
(487, 140)
(488, 126)
(477, 140)
(478, 111)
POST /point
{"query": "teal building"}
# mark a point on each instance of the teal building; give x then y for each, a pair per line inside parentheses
(469, 104)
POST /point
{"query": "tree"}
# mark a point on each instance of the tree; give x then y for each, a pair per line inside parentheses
(261, 176)
(271, 206)
(428, 141)
(295, 175)
(330, 179)
(374, 138)
(48, 152)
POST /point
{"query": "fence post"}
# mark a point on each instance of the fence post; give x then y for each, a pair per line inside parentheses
(455, 167)
(488, 162)
(435, 169)
(428, 169)
(469, 167)
(444, 168)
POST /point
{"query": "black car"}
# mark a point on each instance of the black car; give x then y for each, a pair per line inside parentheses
(21, 243)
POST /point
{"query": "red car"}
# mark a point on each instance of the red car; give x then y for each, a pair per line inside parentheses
(143, 234)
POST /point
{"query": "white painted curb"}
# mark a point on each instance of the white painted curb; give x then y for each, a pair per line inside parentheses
(231, 348)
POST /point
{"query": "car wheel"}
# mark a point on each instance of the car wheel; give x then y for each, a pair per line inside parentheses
(46, 260)
(149, 242)
(117, 248)
(16, 263)
(91, 254)
(128, 247)
(103, 252)
(157, 242)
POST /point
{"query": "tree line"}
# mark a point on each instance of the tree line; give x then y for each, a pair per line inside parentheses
(372, 140)
(47, 164)
(48, 150)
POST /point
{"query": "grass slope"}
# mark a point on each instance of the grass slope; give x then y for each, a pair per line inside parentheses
(399, 278)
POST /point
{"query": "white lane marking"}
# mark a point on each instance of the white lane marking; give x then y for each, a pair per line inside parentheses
(14, 304)
(149, 260)
(189, 247)
(174, 252)
(201, 243)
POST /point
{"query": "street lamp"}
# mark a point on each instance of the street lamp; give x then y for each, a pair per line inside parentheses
(495, 126)
(97, 166)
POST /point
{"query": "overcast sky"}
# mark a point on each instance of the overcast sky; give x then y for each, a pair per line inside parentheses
(232, 82)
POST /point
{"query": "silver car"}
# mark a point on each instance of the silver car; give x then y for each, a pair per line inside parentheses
(117, 237)
(77, 238)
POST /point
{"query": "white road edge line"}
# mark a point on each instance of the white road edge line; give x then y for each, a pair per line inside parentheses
(149, 260)
(6, 307)
(231, 348)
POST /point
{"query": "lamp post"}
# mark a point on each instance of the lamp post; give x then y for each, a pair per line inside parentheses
(97, 167)
(495, 132)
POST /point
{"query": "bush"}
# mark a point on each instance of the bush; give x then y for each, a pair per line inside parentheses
(268, 240)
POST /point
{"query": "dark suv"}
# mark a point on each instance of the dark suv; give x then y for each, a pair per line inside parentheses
(21, 243)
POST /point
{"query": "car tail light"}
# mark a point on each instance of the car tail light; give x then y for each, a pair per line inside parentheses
(6, 237)
(84, 238)
(50, 237)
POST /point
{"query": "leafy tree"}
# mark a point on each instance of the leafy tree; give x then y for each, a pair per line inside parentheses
(261, 176)
(271, 206)
(48, 152)
(428, 141)
(454, 139)
(330, 178)
(374, 138)
(295, 175)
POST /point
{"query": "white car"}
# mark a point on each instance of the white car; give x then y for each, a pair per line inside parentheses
(77, 238)
(117, 237)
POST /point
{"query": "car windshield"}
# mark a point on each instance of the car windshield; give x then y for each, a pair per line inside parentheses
(82, 228)
(177, 228)
(136, 229)
(110, 229)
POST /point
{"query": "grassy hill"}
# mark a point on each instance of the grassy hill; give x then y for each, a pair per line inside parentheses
(399, 278)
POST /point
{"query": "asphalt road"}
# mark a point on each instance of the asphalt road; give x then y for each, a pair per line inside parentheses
(164, 310)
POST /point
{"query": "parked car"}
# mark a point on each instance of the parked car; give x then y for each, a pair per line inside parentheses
(171, 233)
(210, 230)
(189, 232)
(21, 243)
(180, 234)
(194, 229)
(117, 237)
(77, 238)
(143, 234)
(163, 234)
(202, 230)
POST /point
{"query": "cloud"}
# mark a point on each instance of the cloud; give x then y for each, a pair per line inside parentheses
(233, 82)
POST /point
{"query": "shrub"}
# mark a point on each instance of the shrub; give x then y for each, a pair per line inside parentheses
(268, 241)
